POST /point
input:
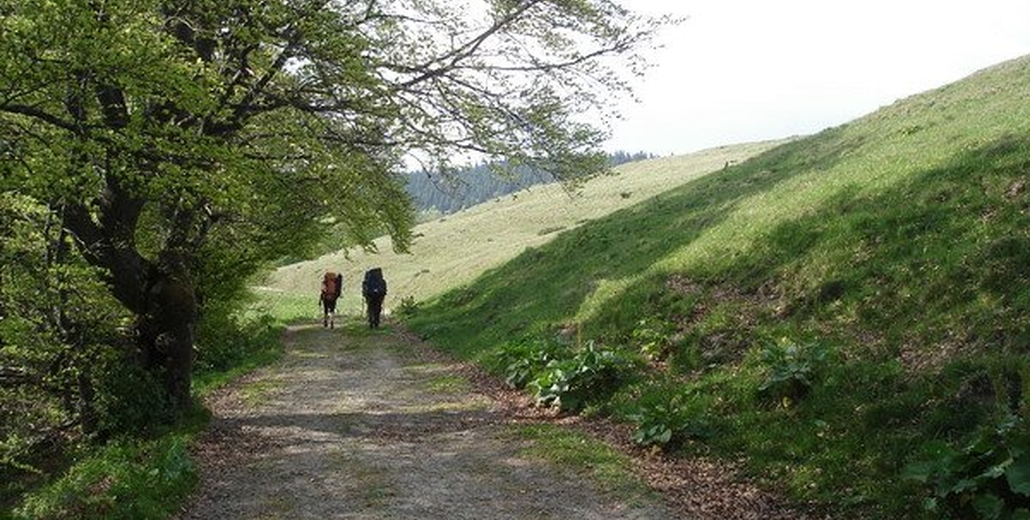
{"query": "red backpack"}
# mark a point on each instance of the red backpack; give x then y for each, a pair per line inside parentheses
(331, 284)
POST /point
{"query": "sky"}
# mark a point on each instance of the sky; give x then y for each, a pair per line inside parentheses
(747, 70)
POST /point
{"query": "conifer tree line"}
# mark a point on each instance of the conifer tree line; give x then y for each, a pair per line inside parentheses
(480, 183)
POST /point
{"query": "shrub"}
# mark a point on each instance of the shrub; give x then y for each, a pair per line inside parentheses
(129, 399)
(226, 339)
(791, 370)
(520, 361)
(408, 307)
(667, 420)
(653, 338)
(569, 384)
(989, 479)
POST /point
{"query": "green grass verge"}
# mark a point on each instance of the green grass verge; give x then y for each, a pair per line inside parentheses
(577, 452)
(131, 479)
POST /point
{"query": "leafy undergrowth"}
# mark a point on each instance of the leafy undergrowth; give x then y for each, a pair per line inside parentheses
(989, 478)
(825, 311)
(145, 474)
(128, 479)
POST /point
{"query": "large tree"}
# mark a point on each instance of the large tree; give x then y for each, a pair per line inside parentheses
(181, 142)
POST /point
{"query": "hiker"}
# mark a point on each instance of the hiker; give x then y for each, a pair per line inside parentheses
(332, 287)
(373, 288)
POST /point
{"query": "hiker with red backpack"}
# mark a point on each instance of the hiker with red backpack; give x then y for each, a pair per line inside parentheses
(332, 287)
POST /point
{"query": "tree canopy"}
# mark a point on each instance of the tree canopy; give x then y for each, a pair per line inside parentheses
(173, 146)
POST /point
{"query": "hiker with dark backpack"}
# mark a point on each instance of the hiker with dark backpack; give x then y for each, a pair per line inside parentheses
(373, 288)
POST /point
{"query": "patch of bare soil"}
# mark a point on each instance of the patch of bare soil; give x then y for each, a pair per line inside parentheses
(376, 425)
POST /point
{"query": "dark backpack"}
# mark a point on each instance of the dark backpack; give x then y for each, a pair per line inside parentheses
(374, 284)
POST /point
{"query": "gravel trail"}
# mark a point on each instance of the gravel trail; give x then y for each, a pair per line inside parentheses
(359, 424)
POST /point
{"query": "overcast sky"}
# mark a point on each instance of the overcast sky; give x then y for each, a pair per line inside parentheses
(747, 70)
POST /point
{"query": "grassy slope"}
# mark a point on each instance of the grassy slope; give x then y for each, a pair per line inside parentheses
(456, 249)
(900, 240)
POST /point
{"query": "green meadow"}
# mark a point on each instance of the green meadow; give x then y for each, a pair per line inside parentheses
(846, 314)
(453, 250)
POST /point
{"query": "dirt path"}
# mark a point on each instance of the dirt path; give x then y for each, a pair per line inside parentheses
(354, 424)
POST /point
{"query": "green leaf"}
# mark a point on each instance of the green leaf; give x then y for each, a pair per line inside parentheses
(997, 470)
(665, 436)
(930, 504)
(983, 446)
(919, 471)
(964, 485)
(1018, 476)
(988, 506)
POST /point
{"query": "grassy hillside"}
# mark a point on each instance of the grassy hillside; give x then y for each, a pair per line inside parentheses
(456, 249)
(833, 310)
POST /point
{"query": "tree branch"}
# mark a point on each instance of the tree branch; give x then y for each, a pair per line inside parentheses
(110, 242)
(41, 115)
(465, 50)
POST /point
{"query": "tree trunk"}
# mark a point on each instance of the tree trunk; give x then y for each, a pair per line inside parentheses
(161, 294)
(166, 331)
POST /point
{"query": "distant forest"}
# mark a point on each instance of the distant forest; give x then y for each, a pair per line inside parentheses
(437, 196)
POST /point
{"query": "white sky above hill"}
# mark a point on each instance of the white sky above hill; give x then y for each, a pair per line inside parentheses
(748, 70)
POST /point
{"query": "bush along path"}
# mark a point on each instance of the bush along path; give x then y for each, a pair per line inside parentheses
(353, 423)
